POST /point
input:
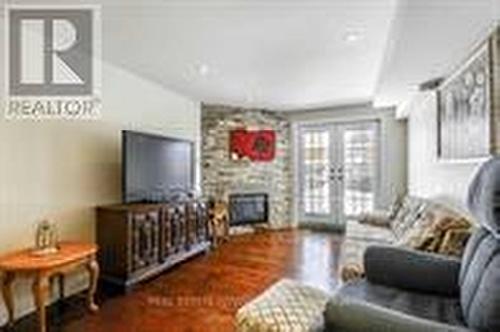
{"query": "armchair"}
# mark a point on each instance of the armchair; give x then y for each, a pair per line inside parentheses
(411, 291)
(412, 270)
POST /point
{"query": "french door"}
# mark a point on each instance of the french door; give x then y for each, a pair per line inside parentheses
(338, 171)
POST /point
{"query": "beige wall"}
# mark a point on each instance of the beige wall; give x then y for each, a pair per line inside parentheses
(429, 177)
(61, 169)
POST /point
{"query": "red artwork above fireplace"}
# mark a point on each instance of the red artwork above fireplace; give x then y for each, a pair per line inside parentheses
(256, 145)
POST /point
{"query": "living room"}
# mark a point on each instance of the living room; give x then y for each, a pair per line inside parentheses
(249, 165)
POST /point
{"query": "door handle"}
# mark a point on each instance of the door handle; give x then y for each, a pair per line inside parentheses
(336, 173)
(333, 173)
(338, 169)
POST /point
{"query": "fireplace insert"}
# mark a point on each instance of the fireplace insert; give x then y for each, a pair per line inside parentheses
(248, 208)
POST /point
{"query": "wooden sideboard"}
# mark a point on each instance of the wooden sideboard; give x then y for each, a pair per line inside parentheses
(138, 241)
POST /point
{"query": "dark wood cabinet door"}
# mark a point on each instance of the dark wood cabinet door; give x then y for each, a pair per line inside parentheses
(177, 216)
(145, 239)
(202, 227)
(166, 243)
(191, 224)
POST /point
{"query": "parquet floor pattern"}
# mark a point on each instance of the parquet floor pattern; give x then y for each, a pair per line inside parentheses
(204, 293)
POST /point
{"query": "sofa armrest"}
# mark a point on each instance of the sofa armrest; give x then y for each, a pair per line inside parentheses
(412, 270)
(347, 314)
(376, 218)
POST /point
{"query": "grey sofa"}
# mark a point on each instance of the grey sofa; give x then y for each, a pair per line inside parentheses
(404, 226)
(390, 227)
(412, 291)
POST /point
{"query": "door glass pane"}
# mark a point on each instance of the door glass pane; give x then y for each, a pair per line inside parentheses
(360, 166)
(315, 172)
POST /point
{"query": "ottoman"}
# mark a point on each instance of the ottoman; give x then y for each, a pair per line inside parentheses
(286, 306)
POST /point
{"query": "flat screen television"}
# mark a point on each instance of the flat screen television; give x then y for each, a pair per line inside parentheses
(155, 168)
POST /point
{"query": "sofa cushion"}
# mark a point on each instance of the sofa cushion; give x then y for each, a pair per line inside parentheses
(353, 315)
(375, 218)
(365, 232)
(426, 306)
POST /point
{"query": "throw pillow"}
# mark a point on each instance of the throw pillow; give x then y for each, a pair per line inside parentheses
(454, 242)
(411, 210)
(395, 206)
(414, 236)
(443, 222)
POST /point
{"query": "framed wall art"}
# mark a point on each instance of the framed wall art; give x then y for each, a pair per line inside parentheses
(256, 145)
(464, 110)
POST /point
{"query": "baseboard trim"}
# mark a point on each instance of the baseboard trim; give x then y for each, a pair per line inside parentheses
(325, 227)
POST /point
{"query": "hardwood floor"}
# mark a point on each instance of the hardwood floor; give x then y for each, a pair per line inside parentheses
(204, 293)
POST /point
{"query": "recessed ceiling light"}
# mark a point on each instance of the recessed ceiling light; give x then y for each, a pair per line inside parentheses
(203, 69)
(352, 36)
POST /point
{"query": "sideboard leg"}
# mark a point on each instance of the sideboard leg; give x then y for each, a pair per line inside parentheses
(93, 269)
(7, 280)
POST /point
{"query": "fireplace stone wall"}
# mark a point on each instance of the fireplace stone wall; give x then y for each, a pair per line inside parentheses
(222, 175)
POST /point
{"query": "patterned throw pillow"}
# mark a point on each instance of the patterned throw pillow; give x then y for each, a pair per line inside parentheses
(434, 235)
(413, 237)
(454, 242)
(403, 211)
(395, 206)
(411, 210)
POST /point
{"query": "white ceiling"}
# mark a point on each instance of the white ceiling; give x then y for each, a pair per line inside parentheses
(274, 54)
(291, 54)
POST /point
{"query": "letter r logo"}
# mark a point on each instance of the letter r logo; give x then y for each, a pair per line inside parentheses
(50, 52)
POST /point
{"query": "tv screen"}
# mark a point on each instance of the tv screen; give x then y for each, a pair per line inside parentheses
(155, 168)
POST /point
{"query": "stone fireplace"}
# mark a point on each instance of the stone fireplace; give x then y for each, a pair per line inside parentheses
(224, 177)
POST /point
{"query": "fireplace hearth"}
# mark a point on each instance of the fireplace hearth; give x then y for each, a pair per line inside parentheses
(248, 209)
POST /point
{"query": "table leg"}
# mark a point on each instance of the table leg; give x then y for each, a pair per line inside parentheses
(7, 280)
(60, 282)
(40, 291)
(93, 269)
